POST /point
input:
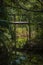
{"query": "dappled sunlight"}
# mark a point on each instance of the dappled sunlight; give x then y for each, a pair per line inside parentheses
(21, 32)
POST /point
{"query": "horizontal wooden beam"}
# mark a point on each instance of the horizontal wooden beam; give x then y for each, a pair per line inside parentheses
(19, 22)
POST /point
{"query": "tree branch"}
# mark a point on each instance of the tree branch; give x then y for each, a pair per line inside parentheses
(40, 2)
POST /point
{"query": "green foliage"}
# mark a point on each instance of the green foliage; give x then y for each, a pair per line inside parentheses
(11, 34)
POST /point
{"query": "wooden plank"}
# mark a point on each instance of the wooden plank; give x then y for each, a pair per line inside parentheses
(18, 22)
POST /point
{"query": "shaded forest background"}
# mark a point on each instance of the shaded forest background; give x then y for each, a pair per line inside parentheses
(16, 38)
